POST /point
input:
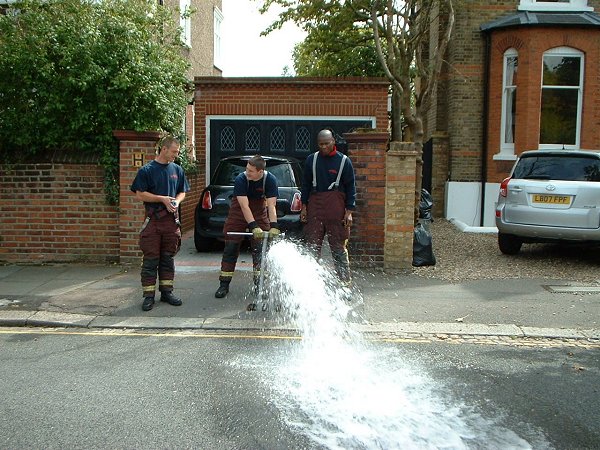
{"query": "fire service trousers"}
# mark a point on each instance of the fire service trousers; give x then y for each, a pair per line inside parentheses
(325, 218)
(160, 240)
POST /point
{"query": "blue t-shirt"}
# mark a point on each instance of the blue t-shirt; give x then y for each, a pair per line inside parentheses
(160, 179)
(254, 189)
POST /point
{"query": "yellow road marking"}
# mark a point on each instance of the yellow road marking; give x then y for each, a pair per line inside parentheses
(111, 333)
(510, 341)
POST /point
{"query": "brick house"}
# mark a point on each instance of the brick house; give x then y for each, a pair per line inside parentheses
(522, 75)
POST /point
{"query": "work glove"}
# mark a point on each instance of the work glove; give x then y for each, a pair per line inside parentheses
(257, 232)
(274, 231)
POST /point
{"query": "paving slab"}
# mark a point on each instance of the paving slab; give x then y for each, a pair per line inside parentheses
(146, 322)
(15, 318)
(53, 319)
(553, 333)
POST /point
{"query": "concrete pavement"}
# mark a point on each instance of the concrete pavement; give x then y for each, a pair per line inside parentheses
(109, 297)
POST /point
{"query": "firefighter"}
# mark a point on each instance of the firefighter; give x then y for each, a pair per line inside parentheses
(252, 208)
(328, 199)
(161, 185)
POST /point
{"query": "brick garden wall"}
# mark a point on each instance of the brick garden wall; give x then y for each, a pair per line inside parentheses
(367, 152)
(56, 212)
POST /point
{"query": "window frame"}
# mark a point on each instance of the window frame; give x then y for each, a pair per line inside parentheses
(568, 5)
(571, 53)
(507, 149)
(185, 22)
(217, 37)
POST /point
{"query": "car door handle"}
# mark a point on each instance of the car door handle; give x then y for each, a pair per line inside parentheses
(516, 189)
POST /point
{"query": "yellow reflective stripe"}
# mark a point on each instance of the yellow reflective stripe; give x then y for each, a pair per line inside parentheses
(226, 274)
(166, 283)
(148, 288)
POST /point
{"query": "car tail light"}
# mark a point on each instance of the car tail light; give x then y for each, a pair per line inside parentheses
(206, 200)
(296, 203)
(504, 187)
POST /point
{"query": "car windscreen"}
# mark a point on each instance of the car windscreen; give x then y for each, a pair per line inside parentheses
(282, 172)
(550, 167)
(228, 170)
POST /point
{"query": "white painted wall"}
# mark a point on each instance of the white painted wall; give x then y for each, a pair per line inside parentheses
(463, 202)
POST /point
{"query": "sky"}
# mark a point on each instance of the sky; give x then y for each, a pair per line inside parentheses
(245, 52)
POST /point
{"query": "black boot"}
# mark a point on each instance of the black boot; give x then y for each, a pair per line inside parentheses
(148, 303)
(168, 297)
(223, 289)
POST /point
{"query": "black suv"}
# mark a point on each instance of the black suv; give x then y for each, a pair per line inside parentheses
(213, 207)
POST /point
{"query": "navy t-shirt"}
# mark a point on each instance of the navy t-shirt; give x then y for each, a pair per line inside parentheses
(254, 189)
(327, 171)
(160, 179)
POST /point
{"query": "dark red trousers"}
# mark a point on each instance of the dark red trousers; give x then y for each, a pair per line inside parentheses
(237, 223)
(325, 215)
(160, 241)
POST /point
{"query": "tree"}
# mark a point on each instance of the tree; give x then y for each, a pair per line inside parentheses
(74, 70)
(401, 35)
(348, 52)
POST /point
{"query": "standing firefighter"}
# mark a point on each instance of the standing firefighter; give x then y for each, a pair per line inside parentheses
(328, 199)
(161, 185)
(252, 207)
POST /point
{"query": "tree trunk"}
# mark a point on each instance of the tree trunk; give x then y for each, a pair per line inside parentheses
(396, 114)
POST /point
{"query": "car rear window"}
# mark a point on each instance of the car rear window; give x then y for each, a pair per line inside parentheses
(550, 167)
(227, 171)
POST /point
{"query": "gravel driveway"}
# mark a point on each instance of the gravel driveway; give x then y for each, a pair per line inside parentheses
(475, 256)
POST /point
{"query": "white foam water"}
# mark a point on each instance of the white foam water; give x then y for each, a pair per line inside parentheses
(344, 393)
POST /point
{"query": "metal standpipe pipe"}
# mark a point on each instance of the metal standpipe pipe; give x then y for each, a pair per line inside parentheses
(261, 277)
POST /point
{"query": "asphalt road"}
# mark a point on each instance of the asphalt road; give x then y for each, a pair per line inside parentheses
(69, 389)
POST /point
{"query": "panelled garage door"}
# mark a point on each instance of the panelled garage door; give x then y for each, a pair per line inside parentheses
(290, 137)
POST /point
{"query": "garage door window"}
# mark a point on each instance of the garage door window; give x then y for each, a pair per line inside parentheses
(227, 139)
(302, 139)
(252, 140)
(277, 140)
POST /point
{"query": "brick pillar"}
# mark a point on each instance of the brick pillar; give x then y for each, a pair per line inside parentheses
(135, 150)
(367, 151)
(439, 172)
(399, 206)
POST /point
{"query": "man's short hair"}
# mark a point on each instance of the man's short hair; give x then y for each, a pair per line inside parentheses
(258, 162)
(167, 142)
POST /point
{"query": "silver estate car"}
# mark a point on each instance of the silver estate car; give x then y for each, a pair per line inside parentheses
(550, 196)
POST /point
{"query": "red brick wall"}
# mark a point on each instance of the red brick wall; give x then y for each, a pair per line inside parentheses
(56, 212)
(367, 152)
(531, 44)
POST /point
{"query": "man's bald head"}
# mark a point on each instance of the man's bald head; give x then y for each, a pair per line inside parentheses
(325, 134)
(326, 142)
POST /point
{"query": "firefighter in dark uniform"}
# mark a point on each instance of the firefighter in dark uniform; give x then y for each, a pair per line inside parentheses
(328, 199)
(161, 185)
(252, 208)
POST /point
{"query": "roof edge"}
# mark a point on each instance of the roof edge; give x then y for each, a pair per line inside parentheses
(291, 80)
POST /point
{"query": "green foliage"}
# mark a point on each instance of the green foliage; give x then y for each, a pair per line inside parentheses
(75, 70)
(347, 52)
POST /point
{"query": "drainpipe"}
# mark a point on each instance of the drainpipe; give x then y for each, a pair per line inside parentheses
(484, 147)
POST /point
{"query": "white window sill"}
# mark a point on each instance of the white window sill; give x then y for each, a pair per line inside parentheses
(504, 157)
(551, 7)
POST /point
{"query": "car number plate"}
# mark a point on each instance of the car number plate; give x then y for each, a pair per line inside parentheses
(552, 199)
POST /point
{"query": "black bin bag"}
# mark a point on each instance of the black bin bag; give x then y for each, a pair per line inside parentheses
(422, 247)
(425, 205)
